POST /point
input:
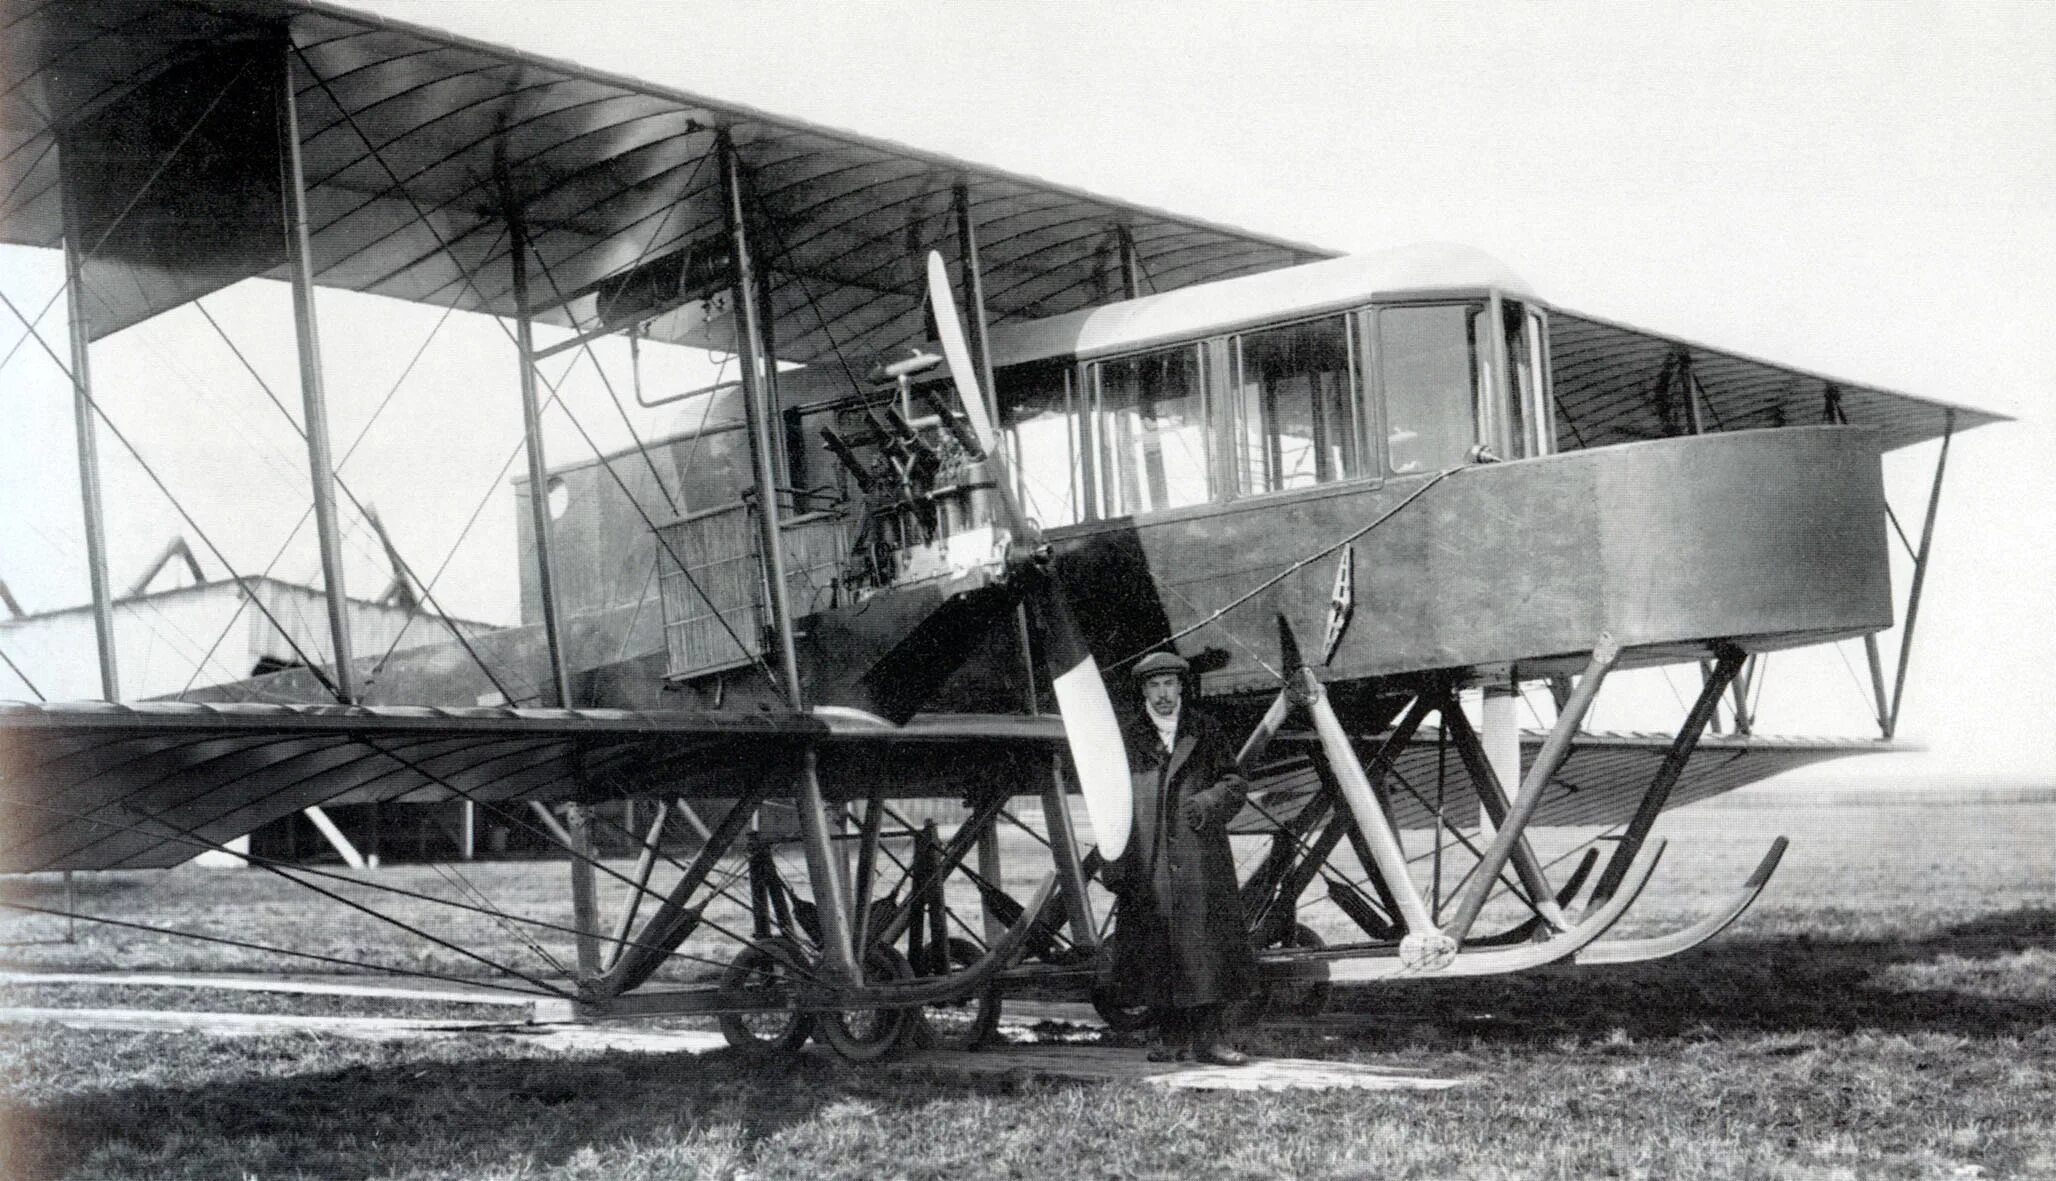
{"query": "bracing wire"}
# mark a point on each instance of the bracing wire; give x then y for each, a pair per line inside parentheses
(22, 676)
(484, 905)
(470, 280)
(513, 819)
(427, 592)
(361, 965)
(1290, 570)
(757, 660)
(151, 472)
(88, 254)
(642, 449)
(307, 513)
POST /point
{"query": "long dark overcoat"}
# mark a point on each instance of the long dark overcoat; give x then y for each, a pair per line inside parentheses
(1179, 935)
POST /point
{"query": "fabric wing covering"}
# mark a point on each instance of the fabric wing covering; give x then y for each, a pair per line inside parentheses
(1618, 384)
(418, 144)
(89, 785)
(97, 786)
(166, 119)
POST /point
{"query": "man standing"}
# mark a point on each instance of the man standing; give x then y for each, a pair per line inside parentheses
(1180, 944)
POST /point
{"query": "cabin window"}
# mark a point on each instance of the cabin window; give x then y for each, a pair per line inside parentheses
(1430, 366)
(1040, 421)
(1152, 424)
(1514, 441)
(1295, 418)
(1531, 371)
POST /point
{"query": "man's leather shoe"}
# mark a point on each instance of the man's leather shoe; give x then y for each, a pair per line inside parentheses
(1220, 1055)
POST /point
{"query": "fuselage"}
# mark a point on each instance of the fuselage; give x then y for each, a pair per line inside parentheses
(1502, 481)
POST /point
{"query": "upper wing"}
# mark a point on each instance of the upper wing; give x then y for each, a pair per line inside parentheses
(418, 144)
(97, 786)
(1614, 383)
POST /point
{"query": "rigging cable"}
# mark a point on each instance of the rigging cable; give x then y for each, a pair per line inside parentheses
(191, 839)
(309, 510)
(135, 198)
(1294, 568)
(22, 676)
(336, 479)
(757, 660)
(101, 412)
(147, 928)
(588, 859)
(469, 279)
(585, 349)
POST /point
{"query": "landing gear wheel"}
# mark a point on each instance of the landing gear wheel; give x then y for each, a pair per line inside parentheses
(1291, 998)
(757, 969)
(1119, 1016)
(867, 1035)
(962, 1024)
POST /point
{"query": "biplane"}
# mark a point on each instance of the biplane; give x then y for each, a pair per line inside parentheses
(990, 440)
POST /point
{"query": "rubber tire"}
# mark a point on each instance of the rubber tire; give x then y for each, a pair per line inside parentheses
(869, 1035)
(966, 1024)
(775, 1029)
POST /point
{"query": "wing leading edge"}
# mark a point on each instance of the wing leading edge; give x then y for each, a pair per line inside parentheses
(97, 786)
(418, 143)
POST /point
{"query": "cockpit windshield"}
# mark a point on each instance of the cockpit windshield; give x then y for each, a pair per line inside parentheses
(1438, 365)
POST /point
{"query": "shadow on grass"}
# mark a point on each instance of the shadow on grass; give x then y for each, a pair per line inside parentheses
(455, 1111)
(1739, 985)
(483, 1115)
(51, 889)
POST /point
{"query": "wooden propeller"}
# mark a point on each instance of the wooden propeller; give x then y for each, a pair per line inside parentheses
(1090, 727)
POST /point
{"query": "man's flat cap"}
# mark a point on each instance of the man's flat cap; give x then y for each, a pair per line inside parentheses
(1161, 662)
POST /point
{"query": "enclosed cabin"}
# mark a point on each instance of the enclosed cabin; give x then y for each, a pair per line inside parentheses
(1410, 456)
(1415, 457)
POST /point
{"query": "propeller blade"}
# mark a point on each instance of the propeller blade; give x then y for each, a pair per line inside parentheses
(948, 326)
(1090, 728)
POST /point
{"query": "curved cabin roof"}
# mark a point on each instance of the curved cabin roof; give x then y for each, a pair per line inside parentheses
(1207, 308)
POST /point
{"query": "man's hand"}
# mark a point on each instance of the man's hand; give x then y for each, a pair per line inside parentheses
(1198, 810)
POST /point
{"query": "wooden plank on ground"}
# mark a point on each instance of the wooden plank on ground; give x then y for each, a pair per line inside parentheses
(1109, 1064)
(357, 986)
(566, 1038)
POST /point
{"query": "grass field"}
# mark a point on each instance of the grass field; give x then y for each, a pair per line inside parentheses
(1885, 1012)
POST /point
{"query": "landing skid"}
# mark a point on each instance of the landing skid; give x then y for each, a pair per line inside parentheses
(787, 978)
(1656, 947)
(1535, 924)
(1499, 961)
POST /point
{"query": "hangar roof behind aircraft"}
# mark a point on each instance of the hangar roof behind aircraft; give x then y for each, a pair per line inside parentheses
(416, 140)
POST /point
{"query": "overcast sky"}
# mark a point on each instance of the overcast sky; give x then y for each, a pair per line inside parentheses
(1864, 189)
